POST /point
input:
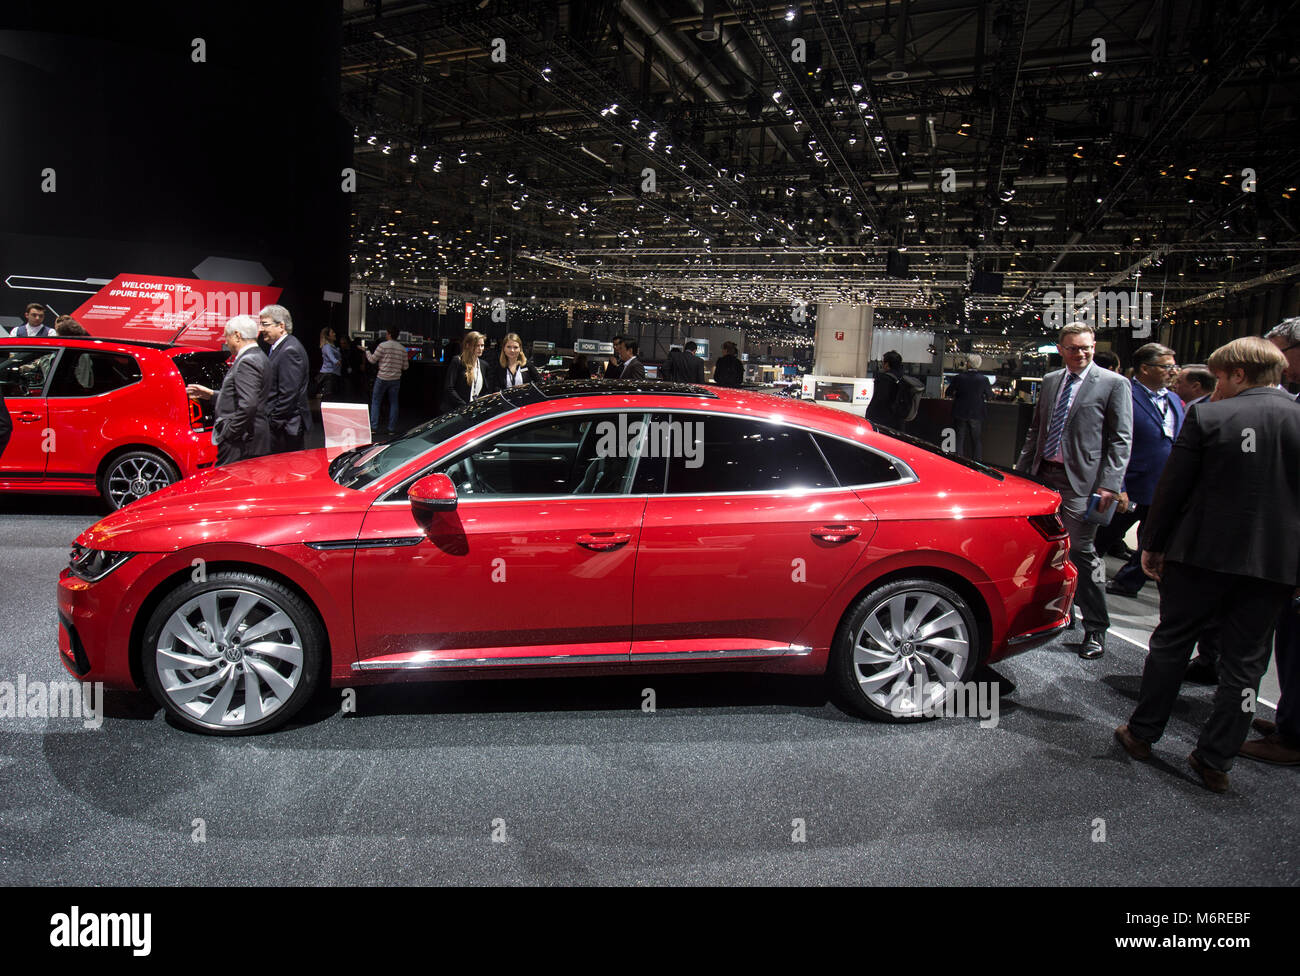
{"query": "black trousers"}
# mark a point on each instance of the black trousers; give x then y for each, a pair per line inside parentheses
(970, 442)
(1245, 609)
(282, 442)
(1286, 651)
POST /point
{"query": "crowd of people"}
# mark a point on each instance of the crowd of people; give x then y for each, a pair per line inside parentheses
(1206, 461)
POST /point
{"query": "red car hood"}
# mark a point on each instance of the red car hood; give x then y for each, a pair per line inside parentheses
(293, 489)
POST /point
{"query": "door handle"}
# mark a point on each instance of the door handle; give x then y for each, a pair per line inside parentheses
(27, 417)
(604, 541)
(839, 532)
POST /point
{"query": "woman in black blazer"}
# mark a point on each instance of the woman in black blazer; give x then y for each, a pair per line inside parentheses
(468, 376)
(511, 368)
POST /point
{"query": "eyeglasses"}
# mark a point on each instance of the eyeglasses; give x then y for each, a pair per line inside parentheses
(1077, 348)
(1171, 368)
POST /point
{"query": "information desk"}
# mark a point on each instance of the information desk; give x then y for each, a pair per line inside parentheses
(1003, 433)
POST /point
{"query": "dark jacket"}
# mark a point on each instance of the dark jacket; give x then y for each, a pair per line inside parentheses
(729, 371)
(970, 393)
(6, 425)
(496, 377)
(692, 369)
(1151, 447)
(884, 407)
(286, 388)
(455, 391)
(1229, 497)
(241, 429)
(633, 369)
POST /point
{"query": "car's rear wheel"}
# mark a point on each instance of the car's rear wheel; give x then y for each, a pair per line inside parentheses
(134, 474)
(232, 655)
(901, 647)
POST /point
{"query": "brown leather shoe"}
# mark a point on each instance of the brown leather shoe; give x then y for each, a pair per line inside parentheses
(1264, 726)
(1271, 749)
(1215, 780)
(1134, 746)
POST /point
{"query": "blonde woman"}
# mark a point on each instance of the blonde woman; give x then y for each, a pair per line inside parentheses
(467, 378)
(511, 368)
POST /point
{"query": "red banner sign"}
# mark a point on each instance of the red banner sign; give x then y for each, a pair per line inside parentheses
(184, 311)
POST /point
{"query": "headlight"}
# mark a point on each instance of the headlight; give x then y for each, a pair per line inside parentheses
(92, 565)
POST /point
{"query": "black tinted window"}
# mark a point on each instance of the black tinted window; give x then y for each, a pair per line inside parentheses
(580, 455)
(83, 373)
(23, 372)
(708, 455)
(855, 465)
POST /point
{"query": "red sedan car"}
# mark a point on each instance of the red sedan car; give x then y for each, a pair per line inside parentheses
(105, 417)
(573, 528)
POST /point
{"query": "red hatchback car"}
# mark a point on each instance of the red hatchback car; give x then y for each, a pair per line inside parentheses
(573, 528)
(98, 416)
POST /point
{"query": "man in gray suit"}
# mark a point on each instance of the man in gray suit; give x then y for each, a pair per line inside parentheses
(1078, 444)
(241, 430)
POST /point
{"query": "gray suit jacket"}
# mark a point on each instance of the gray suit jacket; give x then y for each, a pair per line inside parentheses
(241, 407)
(1098, 431)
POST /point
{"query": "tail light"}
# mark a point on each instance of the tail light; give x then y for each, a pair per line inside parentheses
(1049, 526)
(196, 415)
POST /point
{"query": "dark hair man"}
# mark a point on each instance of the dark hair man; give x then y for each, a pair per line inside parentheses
(633, 368)
(1107, 360)
(1194, 384)
(1157, 419)
(1223, 540)
(33, 326)
(729, 370)
(1078, 443)
(885, 408)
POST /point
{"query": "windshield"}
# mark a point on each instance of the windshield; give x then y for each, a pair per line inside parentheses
(363, 466)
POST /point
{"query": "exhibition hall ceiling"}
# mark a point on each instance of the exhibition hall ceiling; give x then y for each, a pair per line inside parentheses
(958, 159)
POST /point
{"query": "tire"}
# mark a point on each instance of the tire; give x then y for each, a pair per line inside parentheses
(282, 659)
(892, 677)
(133, 474)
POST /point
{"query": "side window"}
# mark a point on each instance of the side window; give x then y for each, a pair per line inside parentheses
(83, 373)
(855, 465)
(23, 372)
(724, 454)
(580, 455)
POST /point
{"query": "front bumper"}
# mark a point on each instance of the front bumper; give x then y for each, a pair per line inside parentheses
(95, 621)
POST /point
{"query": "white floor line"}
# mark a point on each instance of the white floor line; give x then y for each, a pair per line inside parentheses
(1262, 701)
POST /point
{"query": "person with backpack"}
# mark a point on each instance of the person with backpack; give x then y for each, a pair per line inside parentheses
(897, 396)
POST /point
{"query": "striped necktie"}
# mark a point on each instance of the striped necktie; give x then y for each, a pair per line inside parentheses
(1052, 446)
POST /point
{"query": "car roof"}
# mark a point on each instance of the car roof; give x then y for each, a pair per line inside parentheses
(100, 342)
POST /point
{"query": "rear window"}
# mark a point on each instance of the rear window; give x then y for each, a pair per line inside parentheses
(898, 435)
(854, 465)
(206, 369)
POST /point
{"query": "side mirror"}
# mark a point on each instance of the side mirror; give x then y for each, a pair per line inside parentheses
(430, 495)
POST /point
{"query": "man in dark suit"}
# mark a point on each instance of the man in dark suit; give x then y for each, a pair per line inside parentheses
(615, 365)
(287, 413)
(970, 391)
(241, 430)
(1223, 541)
(1157, 419)
(1194, 384)
(633, 368)
(1078, 444)
(690, 366)
(884, 407)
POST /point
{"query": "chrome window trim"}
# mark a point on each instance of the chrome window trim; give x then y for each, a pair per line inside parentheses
(908, 476)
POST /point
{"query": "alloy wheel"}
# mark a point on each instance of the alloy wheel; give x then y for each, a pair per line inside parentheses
(135, 476)
(910, 648)
(229, 658)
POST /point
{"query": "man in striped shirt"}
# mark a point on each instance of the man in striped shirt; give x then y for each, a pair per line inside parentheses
(392, 359)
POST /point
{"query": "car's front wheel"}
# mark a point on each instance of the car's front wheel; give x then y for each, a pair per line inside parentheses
(232, 655)
(900, 649)
(133, 475)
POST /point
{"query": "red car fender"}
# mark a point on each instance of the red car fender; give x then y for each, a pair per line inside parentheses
(303, 567)
(872, 567)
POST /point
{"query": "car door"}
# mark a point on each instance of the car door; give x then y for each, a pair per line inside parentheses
(24, 373)
(751, 536)
(534, 566)
(87, 388)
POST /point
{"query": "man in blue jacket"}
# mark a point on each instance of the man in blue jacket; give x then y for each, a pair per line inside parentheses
(1157, 419)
